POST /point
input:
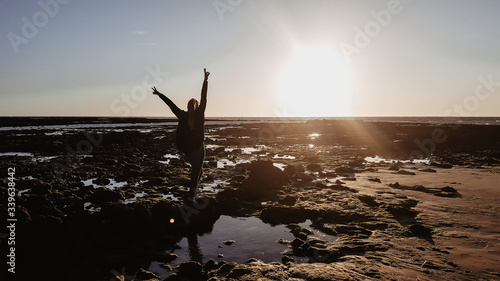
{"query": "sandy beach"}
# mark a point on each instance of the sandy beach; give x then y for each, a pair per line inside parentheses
(334, 200)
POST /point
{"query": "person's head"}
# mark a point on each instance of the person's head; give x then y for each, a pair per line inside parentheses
(192, 105)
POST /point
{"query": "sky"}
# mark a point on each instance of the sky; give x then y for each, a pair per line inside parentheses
(282, 58)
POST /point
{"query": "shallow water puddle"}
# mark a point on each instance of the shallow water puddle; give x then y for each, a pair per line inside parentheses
(313, 136)
(169, 156)
(17, 154)
(112, 184)
(44, 158)
(378, 159)
(221, 164)
(280, 166)
(213, 186)
(169, 196)
(276, 156)
(88, 206)
(252, 239)
(21, 191)
(134, 199)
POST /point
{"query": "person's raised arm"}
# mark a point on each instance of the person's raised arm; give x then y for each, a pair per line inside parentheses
(203, 102)
(175, 109)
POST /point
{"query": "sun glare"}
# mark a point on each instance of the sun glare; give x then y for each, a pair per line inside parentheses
(316, 83)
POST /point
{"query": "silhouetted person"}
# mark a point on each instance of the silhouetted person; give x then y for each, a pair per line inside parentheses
(191, 133)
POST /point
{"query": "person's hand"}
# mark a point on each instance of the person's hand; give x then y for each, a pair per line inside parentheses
(155, 91)
(206, 74)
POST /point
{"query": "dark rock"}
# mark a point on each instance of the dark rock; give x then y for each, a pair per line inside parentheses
(375, 180)
(143, 274)
(229, 242)
(22, 215)
(41, 188)
(237, 151)
(264, 173)
(320, 184)
(238, 272)
(289, 170)
(220, 256)
(431, 265)
(219, 150)
(103, 195)
(226, 268)
(239, 178)
(174, 277)
(342, 188)
(330, 174)
(395, 166)
(448, 189)
(314, 167)
(344, 170)
(211, 265)
(190, 269)
(37, 204)
(404, 172)
(428, 170)
(287, 259)
(368, 200)
(352, 230)
(299, 168)
(297, 242)
(284, 242)
(442, 165)
(297, 232)
(395, 185)
(101, 181)
(357, 162)
(288, 200)
(167, 267)
(283, 214)
(166, 257)
(303, 177)
(420, 230)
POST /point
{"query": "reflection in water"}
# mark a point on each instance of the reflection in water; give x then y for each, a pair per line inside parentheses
(254, 239)
(195, 253)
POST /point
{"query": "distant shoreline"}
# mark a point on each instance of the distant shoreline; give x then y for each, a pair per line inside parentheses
(18, 122)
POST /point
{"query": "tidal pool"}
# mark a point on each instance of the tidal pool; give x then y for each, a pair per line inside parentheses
(252, 239)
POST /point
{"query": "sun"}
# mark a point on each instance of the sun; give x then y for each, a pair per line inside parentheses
(316, 83)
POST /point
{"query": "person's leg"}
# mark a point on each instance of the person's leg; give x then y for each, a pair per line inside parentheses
(197, 159)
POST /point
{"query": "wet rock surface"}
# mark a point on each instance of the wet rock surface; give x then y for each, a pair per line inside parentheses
(94, 232)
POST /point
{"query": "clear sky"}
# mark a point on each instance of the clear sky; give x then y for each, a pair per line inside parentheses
(266, 58)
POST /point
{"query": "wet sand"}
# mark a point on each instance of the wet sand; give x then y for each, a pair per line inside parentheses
(106, 201)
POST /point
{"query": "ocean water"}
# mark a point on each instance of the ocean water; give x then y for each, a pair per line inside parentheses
(68, 124)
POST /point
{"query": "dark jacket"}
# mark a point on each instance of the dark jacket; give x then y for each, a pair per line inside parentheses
(187, 139)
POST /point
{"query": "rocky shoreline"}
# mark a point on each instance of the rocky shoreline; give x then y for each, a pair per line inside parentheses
(101, 203)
